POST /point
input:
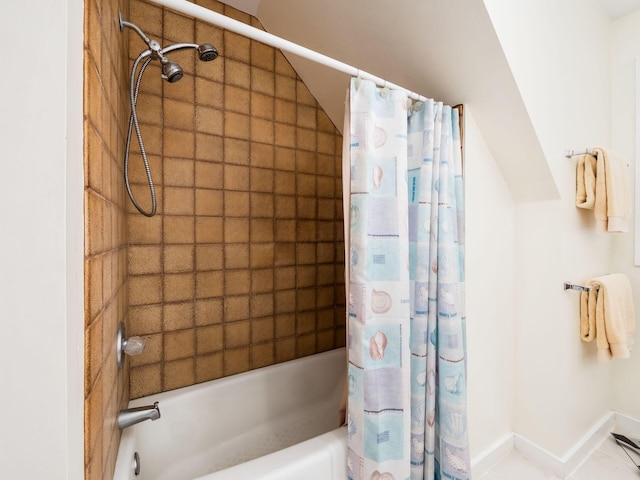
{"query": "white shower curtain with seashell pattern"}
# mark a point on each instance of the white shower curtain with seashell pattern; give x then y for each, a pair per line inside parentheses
(404, 236)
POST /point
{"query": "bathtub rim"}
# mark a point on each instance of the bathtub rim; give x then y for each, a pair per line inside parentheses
(332, 444)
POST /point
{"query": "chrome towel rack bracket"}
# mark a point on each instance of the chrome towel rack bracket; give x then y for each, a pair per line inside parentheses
(572, 153)
(579, 288)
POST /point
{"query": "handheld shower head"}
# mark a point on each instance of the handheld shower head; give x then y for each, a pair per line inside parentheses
(171, 71)
(207, 52)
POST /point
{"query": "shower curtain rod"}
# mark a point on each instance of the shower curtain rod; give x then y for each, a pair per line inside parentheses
(204, 14)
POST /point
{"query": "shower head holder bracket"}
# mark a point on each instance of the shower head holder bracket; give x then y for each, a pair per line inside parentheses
(123, 23)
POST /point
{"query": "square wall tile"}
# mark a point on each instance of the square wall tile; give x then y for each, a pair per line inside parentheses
(241, 267)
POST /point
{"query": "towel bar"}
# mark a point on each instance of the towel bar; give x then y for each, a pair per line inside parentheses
(570, 153)
(579, 288)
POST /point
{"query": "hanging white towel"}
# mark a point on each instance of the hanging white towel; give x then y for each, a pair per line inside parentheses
(586, 182)
(602, 185)
(607, 316)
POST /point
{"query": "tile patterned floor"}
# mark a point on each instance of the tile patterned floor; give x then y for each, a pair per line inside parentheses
(607, 462)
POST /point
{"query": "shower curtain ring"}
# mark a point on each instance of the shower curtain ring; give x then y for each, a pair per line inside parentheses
(385, 90)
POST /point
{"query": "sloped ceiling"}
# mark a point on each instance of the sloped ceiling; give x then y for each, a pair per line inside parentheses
(619, 8)
(441, 49)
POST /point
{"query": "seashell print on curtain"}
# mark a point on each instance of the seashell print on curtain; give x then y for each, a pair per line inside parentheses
(406, 327)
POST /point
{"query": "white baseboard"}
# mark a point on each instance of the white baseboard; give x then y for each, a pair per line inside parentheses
(561, 466)
(490, 456)
(570, 461)
(627, 423)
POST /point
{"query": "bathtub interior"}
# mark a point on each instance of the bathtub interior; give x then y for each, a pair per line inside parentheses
(214, 426)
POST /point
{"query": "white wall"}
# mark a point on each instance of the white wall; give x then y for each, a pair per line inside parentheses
(41, 273)
(559, 52)
(490, 292)
(625, 50)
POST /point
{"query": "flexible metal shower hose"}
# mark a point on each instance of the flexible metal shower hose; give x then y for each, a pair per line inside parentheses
(134, 87)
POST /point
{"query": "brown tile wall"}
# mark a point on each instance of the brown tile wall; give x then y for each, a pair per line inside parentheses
(105, 115)
(243, 265)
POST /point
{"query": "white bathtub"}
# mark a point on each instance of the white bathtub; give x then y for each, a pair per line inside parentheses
(273, 423)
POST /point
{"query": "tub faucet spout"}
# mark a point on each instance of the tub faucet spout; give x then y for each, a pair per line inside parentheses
(131, 416)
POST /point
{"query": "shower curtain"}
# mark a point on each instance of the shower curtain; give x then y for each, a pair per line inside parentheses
(406, 323)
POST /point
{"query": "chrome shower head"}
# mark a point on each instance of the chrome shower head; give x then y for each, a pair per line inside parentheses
(207, 52)
(171, 71)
